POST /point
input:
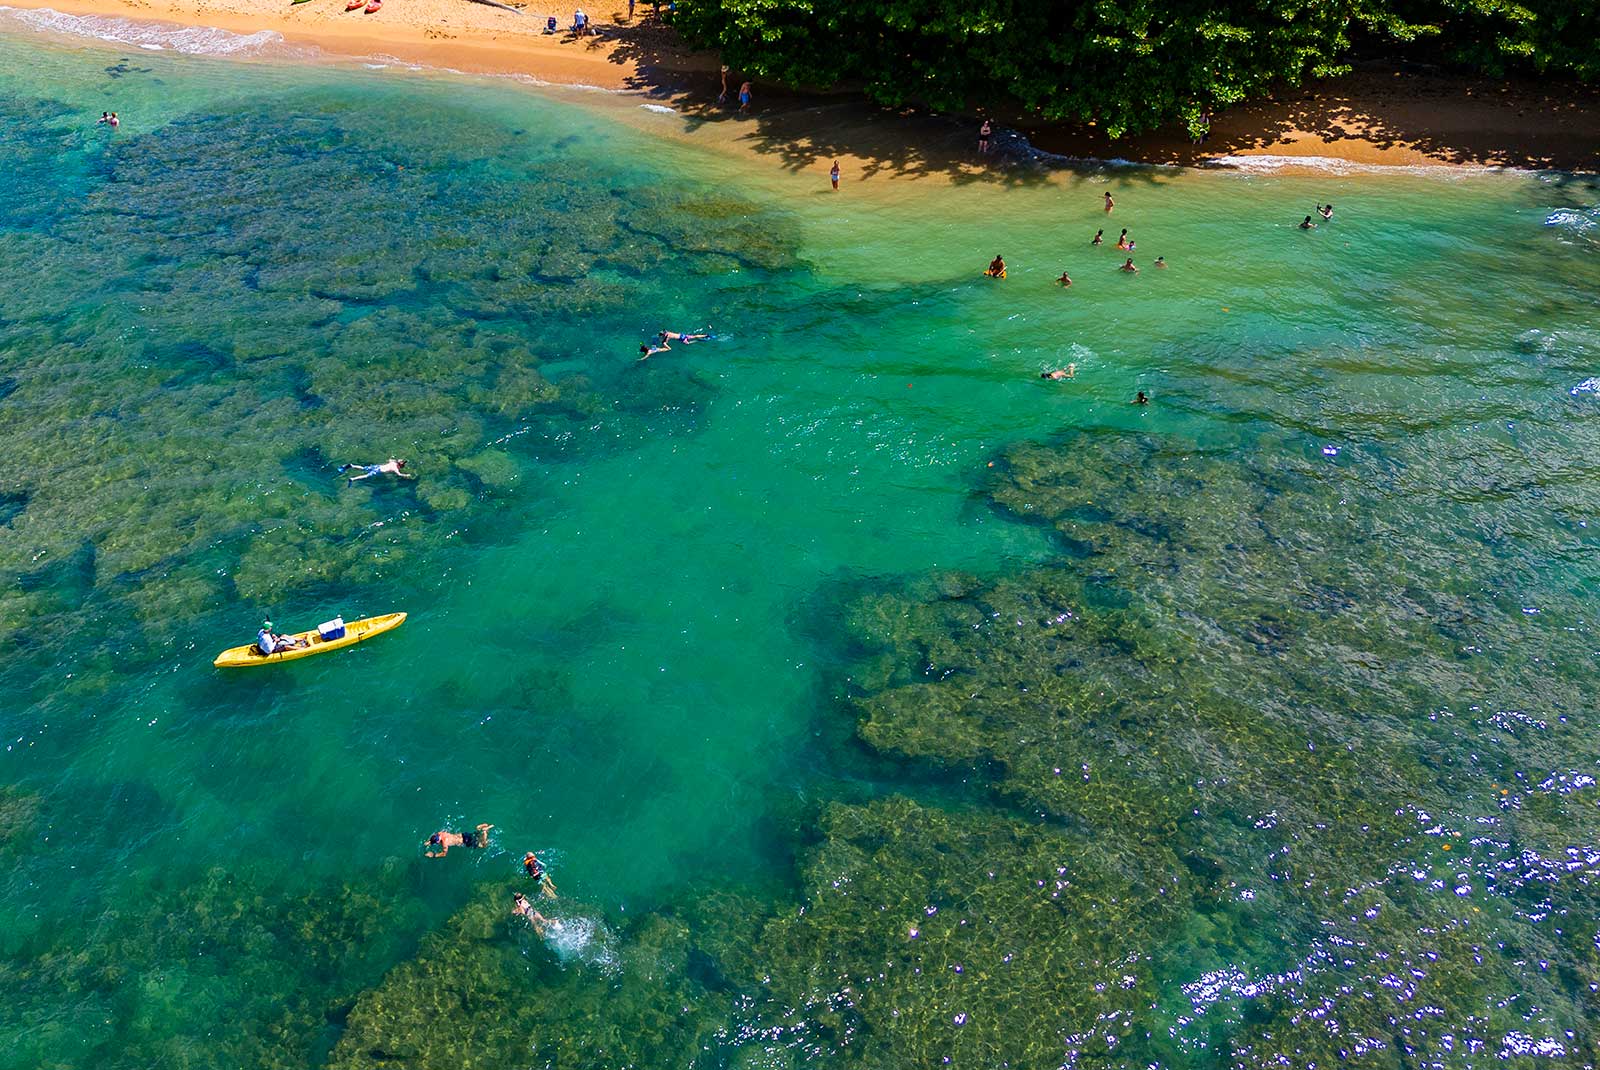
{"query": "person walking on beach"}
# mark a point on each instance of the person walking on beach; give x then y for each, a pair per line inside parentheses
(833, 174)
(722, 97)
(444, 839)
(984, 133)
(630, 10)
(1110, 204)
(744, 97)
(1099, 238)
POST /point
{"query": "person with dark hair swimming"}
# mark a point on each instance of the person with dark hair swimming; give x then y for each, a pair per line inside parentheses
(444, 839)
(996, 268)
(648, 351)
(1326, 210)
(1141, 398)
(521, 908)
(1307, 224)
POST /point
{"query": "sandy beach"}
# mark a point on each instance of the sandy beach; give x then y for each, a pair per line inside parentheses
(1378, 116)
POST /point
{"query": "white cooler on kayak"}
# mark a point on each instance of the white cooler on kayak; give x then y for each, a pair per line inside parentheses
(333, 629)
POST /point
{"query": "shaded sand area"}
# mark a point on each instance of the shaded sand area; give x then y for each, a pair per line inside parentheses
(1383, 115)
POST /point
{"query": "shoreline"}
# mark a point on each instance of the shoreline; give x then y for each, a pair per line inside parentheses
(1375, 120)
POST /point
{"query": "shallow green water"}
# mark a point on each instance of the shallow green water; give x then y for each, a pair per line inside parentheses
(651, 602)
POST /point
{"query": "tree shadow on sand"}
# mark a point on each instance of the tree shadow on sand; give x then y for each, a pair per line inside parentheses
(808, 131)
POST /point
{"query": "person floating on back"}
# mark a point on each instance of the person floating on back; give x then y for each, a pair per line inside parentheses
(445, 839)
(394, 466)
(996, 268)
(535, 869)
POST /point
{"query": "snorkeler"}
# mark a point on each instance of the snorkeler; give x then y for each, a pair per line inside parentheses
(686, 339)
(1064, 280)
(392, 467)
(1326, 211)
(270, 642)
(1069, 372)
(521, 908)
(1099, 238)
(996, 268)
(648, 351)
(1141, 398)
(535, 869)
(445, 839)
(1307, 224)
(1128, 266)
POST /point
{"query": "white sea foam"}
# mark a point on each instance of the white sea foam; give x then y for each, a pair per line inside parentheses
(150, 36)
(662, 108)
(1266, 164)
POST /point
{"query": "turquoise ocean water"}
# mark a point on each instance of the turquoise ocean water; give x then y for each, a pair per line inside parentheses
(727, 635)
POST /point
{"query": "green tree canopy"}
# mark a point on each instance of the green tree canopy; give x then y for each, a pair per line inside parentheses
(1126, 65)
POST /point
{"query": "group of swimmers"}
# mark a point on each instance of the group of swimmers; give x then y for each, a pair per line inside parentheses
(521, 906)
(108, 118)
(1325, 211)
(663, 341)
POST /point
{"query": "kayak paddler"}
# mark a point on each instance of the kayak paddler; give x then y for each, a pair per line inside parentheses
(272, 643)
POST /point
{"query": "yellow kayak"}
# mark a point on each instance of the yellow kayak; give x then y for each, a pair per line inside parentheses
(354, 632)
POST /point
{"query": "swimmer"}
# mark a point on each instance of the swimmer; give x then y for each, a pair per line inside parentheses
(521, 908)
(1099, 238)
(1122, 239)
(648, 351)
(105, 117)
(535, 869)
(1141, 399)
(1161, 262)
(1064, 280)
(114, 121)
(394, 466)
(686, 339)
(1307, 224)
(1128, 266)
(1110, 204)
(1069, 372)
(997, 267)
(445, 839)
(1327, 212)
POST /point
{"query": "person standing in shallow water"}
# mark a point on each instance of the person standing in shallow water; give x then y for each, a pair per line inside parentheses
(833, 174)
(1110, 204)
(1099, 238)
